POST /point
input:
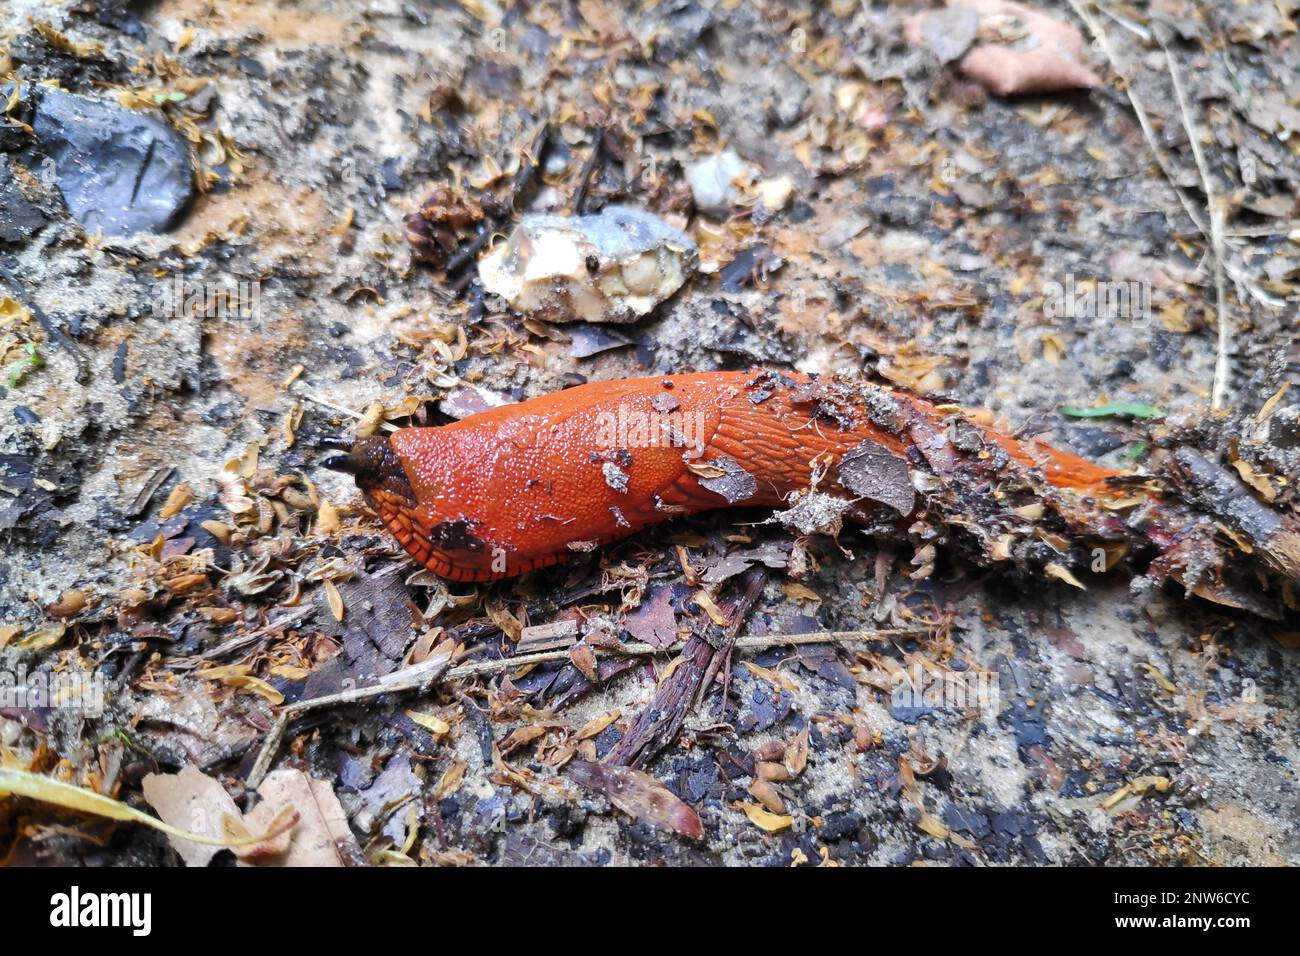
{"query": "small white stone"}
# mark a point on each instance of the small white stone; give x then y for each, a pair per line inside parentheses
(775, 193)
(613, 266)
(716, 182)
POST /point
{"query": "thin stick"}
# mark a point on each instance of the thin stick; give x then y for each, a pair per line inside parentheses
(637, 649)
(530, 162)
(1144, 121)
(243, 640)
(579, 204)
(422, 676)
(52, 330)
(344, 410)
(1213, 230)
(418, 677)
(1220, 389)
(1268, 229)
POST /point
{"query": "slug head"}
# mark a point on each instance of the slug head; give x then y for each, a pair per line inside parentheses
(446, 545)
(372, 463)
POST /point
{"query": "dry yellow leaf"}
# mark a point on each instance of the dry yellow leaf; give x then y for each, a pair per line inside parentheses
(327, 518)
(675, 663)
(765, 819)
(430, 722)
(772, 677)
(292, 377)
(292, 419)
(1053, 348)
(594, 726)
(335, 600)
(257, 686)
(72, 797)
(180, 496)
(522, 735)
(766, 794)
(799, 592)
(710, 607)
(510, 625)
(218, 530)
(796, 755)
(43, 638)
(289, 671)
(1253, 478)
(450, 780)
(1062, 573)
(1271, 404)
(1164, 682)
(932, 825)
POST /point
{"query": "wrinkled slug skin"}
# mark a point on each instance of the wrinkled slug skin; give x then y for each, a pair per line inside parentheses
(525, 486)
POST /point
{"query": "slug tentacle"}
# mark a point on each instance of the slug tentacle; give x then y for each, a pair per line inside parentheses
(336, 442)
(373, 463)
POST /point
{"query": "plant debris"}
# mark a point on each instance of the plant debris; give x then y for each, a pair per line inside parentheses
(1008, 47)
(1092, 247)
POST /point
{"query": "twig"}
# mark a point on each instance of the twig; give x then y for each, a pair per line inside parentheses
(639, 649)
(1262, 231)
(482, 628)
(1134, 28)
(243, 640)
(343, 410)
(52, 330)
(325, 403)
(696, 666)
(520, 184)
(148, 490)
(467, 252)
(419, 677)
(826, 637)
(579, 205)
(1144, 121)
(1219, 390)
(1213, 230)
(422, 676)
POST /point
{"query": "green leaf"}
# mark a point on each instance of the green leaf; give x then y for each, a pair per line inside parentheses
(1115, 410)
(1136, 450)
(18, 370)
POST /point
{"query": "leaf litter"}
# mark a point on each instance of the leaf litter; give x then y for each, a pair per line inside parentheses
(248, 589)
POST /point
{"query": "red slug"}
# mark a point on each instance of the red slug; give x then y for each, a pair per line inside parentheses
(524, 486)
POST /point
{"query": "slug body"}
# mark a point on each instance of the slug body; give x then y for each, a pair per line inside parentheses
(525, 486)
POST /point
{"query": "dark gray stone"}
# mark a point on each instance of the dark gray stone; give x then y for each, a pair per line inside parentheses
(119, 170)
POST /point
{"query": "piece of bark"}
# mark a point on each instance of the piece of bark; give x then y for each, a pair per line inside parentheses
(701, 658)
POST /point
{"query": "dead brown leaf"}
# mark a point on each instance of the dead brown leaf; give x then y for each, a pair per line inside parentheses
(639, 795)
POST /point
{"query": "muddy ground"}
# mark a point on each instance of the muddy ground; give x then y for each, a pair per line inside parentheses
(926, 221)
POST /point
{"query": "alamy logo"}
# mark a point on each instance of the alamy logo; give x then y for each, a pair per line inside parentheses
(180, 296)
(1096, 300)
(83, 693)
(631, 427)
(929, 688)
(74, 909)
